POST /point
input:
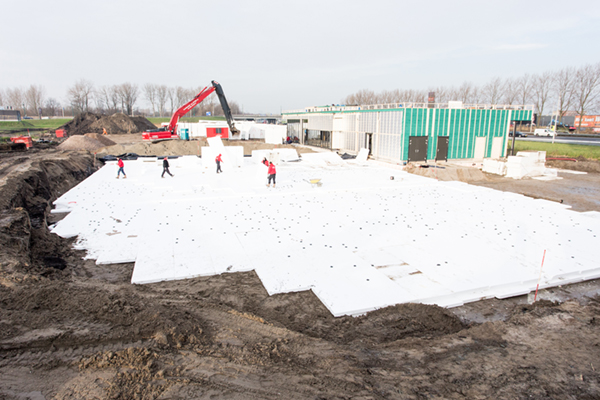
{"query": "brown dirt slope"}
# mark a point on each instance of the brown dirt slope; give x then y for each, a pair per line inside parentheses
(81, 142)
(101, 138)
(117, 123)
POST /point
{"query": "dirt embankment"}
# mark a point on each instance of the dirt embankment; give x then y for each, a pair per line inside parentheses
(71, 329)
(117, 123)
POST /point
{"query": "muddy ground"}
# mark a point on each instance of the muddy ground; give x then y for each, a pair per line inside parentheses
(70, 329)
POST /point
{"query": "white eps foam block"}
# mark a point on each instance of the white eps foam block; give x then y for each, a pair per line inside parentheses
(360, 241)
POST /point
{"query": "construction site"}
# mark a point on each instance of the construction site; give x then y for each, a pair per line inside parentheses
(378, 266)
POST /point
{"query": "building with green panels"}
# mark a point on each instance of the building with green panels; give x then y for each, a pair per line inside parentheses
(409, 132)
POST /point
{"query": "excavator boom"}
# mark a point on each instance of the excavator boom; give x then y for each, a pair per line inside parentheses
(170, 131)
(225, 107)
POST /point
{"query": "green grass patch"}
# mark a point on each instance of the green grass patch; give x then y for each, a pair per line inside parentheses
(32, 124)
(559, 149)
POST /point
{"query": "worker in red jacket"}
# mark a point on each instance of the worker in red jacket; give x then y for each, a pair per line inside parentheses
(219, 160)
(121, 166)
(271, 173)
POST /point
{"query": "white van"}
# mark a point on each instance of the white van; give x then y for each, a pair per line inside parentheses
(544, 132)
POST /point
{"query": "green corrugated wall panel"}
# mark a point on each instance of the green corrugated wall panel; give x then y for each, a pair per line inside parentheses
(474, 128)
(460, 133)
(432, 133)
(464, 132)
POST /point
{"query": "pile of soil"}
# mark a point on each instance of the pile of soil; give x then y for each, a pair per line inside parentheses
(81, 143)
(101, 138)
(117, 123)
(581, 164)
(447, 172)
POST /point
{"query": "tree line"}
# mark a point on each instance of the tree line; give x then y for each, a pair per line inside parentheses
(84, 96)
(568, 89)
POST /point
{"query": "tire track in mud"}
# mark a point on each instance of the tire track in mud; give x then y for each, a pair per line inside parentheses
(64, 355)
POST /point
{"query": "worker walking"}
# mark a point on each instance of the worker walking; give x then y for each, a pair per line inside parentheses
(121, 165)
(272, 172)
(219, 160)
(104, 131)
(166, 168)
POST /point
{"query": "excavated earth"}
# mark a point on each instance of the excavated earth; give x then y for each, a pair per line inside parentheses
(70, 329)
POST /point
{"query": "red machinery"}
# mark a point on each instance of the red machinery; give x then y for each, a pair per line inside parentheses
(22, 139)
(170, 131)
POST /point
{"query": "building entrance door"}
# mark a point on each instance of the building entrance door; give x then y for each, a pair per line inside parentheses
(417, 148)
(442, 148)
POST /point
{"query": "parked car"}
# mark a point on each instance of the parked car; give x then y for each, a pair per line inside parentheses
(544, 132)
(517, 134)
(27, 117)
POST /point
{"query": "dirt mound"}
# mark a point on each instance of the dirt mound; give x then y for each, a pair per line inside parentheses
(81, 143)
(81, 124)
(121, 123)
(101, 138)
(447, 172)
(579, 165)
(114, 124)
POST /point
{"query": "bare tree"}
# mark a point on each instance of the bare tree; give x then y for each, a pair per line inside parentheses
(563, 86)
(209, 104)
(441, 94)
(492, 91)
(587, 79)
(34, 98)
(80, 95)
(103, 97)
(476, 95)
(128, 94)
(389, 96)
(161, 99)
(465, 92)
(511, 91)
(150, 90)
(2, 98)
(525, 87)
(451, 93)
(15, 99)
(541, 86)
(172, 99)
(51, 107)
(235, 107)
(363, 96)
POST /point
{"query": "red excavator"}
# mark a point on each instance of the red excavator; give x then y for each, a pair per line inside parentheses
(170, 131)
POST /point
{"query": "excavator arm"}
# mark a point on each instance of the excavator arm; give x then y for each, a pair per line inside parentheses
(226, 110)
(181, 111)
(170, 130)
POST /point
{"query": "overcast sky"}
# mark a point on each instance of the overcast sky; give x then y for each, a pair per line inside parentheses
(274, 55)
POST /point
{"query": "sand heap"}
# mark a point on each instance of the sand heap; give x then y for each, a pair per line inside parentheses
(114, 124)
(80, 142)
(102, 139)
